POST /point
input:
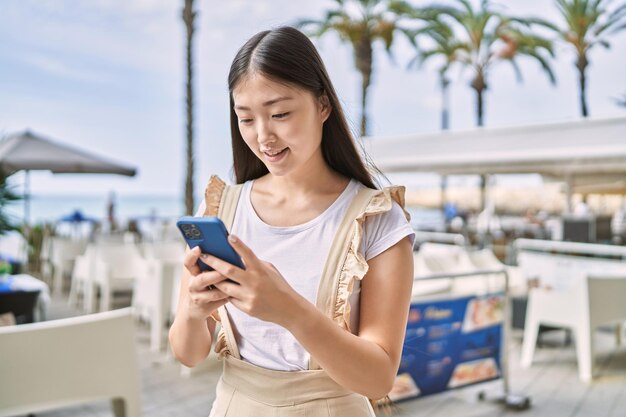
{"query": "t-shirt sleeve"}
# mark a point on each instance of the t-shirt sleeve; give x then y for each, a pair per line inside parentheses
(385, 230)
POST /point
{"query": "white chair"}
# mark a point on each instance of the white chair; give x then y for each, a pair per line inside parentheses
(485, 259)
(426, 288)
(63, 253)
(60, 363)
(593, 301)
(82, 276)
(115, 270)
(442, 258)
(45, 258)
(154, 286)
(454, 259)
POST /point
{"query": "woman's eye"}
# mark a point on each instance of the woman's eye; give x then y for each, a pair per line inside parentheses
(245, 121)
(280, 115)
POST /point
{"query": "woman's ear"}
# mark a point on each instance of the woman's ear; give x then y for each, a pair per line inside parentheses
(325, 107)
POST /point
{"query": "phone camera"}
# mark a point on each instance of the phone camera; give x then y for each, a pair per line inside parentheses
(191, 231)
(194, 233)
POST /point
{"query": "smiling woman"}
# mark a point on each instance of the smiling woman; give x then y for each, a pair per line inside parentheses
(268, 110)
(327, 255)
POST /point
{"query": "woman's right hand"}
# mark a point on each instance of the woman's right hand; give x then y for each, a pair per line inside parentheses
(203, 298)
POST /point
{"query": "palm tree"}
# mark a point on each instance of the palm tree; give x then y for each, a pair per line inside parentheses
(446, 46)
(493, 37)
(360, 23)
(588, 23)
(7, 197)
(188, 17)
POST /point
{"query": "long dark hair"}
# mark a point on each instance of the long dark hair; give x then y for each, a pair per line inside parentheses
(287, 55)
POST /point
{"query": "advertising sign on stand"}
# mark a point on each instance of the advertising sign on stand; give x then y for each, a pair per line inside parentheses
(449, 344)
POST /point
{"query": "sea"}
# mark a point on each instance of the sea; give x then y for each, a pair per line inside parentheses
(52, 209)
(153, 215)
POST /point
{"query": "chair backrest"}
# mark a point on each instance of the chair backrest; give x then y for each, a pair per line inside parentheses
(565, 271)
(146, 287)
(485, 259)
(120, 258)
(168, 252)
(606, 298)
(64, 249)
(441, 258)
(14, 245)
(65, 362)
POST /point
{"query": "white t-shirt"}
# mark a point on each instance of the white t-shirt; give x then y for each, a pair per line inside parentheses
(299, 253)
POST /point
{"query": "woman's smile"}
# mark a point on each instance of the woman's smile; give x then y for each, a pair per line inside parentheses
(275, 155)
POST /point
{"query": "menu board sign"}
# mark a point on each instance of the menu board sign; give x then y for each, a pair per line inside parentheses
(449, 344)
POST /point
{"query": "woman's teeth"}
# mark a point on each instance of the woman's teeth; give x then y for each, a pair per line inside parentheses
(274, 153)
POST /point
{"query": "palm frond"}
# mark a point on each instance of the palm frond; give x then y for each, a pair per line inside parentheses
(617, 29)
(517, 70)
(615, 18)
(621, 101)
(544, 64)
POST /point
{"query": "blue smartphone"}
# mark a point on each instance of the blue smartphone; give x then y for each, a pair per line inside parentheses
(211, 235)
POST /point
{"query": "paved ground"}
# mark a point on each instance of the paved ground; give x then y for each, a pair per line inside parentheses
(552, 383)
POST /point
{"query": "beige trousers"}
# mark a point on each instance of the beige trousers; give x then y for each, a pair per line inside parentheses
(248, 390)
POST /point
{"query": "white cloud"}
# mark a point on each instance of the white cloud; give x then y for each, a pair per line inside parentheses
(58, 67)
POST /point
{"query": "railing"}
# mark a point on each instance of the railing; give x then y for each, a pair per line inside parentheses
(573, 248)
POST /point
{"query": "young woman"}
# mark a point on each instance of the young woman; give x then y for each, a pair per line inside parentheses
(314, 324)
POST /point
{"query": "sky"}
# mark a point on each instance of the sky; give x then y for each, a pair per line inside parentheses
(108, 76)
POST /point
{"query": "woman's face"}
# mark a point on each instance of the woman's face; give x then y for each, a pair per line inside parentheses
(281, 124)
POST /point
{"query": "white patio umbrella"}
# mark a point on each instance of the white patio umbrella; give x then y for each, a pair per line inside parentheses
(27, 151)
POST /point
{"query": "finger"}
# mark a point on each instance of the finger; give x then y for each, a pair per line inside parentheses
(191, 261)
(209, 305)
(247, 255)
(230, 289)
(201, 281)
(211, 296)
(224, 268)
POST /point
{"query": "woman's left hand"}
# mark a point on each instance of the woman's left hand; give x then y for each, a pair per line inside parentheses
(260, 290)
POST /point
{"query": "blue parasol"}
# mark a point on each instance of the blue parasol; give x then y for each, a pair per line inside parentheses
(77, 217)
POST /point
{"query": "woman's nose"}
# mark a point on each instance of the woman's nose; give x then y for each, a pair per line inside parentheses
(264, 133)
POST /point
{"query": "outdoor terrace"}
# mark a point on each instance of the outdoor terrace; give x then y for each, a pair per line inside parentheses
(552, 383)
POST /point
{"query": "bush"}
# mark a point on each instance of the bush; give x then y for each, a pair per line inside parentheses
(7, 196)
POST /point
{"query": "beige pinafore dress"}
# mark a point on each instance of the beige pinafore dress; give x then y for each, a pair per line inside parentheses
(249, 390)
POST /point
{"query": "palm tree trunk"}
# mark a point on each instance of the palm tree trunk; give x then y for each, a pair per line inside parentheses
(363, 58)
(445, 103)
(479, 85)
(364, 86)
(188, 18)
(582, 82)
(479, 108)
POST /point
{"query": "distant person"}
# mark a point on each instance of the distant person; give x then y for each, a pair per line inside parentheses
(618, 224)
(300, 178)
(582, 208)
(111, 212)
(450, 211)
(133, 231)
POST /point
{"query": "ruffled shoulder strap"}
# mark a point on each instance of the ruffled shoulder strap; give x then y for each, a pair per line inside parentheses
(355, 267)
(213, 195)
(345, 264)
(221, 201)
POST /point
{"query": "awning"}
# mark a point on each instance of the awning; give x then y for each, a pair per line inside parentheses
(590, 150)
